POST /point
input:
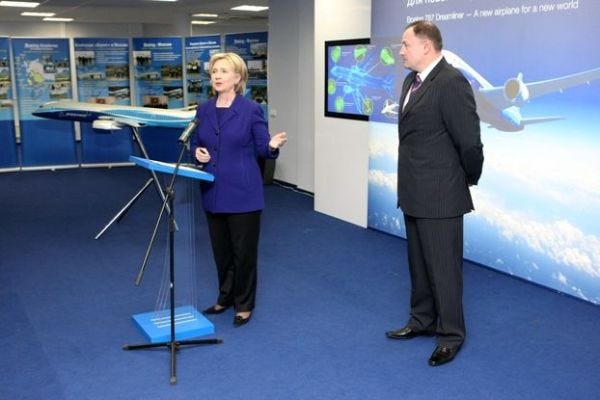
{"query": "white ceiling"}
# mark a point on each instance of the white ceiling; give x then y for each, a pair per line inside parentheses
(138, 11)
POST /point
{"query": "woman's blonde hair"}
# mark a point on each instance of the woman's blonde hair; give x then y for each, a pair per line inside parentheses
(239, 67)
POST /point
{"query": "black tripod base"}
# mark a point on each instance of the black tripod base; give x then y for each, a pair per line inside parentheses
(173, 346)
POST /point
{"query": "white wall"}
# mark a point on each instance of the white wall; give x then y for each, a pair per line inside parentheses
(290, 76)
(327, 156)
(341, 146)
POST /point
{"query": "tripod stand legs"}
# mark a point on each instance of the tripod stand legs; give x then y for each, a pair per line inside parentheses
(125, 208)
(130, 203)
(174, 347)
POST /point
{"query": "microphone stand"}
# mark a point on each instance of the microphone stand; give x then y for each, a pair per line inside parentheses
(172, 344)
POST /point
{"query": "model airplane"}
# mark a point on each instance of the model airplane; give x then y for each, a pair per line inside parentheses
(390, 108)
(112, 117)
(499, 106)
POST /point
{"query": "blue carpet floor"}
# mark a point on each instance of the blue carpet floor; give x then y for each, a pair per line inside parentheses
(328, 291)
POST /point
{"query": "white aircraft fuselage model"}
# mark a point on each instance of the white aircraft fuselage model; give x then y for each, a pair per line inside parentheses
(499, 106)
(112, 117)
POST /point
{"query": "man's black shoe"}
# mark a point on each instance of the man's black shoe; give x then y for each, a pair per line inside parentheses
(442, 355)
(406, 333)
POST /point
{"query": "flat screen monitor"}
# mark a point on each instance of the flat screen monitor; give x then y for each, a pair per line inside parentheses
(347, 78)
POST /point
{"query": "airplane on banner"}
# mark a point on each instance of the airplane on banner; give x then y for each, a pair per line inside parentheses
(113, 117)
(499, 106)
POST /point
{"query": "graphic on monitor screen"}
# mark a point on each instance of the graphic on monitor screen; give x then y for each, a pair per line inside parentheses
(358, 82)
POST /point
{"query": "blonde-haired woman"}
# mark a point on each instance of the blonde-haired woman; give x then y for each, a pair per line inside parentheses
(231, 135)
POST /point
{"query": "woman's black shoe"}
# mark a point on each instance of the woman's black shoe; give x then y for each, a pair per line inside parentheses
(214, 310)
(239, 320)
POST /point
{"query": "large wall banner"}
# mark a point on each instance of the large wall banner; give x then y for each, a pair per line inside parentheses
(159, 84)
(198, 51)
(252, 47)
(43, 73)
(537, 88)
(103, 78)
(8, 147)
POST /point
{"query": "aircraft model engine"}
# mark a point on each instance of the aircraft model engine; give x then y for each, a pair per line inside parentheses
(516, 91)
(106, 125)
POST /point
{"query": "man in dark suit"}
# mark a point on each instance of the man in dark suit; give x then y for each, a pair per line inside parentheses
(439, 156)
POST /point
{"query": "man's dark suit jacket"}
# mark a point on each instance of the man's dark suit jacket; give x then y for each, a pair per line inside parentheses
(440, 151)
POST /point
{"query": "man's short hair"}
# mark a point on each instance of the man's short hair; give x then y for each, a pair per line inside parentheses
(428, 30)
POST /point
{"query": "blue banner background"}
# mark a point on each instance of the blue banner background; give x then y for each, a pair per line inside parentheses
(43, 73)
(103, 77)
(198, 50)
(8, 147)
(159, 84)
(252, 47)
(538, 200)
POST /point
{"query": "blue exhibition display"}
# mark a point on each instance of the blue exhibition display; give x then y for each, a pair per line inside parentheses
(43, 73)
(253, 48)
(102, 66)
(198, 50)
(8, 148)
(158, 69)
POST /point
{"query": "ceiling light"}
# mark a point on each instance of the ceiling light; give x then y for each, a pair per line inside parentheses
(204, 15)
(250, 8)
(202, 22)
(53, 19)
(22, 4)
(37, 14)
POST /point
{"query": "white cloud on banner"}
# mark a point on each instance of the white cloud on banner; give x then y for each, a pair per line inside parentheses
(386, 180)
(383, 150)
(560, 172)
(558, 239)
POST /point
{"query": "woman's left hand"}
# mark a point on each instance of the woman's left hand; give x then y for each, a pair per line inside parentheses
(278, 140)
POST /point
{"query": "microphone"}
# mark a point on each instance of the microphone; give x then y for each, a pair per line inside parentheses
(185, 135)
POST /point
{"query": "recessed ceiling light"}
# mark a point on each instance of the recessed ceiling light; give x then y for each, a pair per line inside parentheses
(250, 8)
(37, 14)
(204, 15)
(22, 4)
(53, 19)
(202, 22)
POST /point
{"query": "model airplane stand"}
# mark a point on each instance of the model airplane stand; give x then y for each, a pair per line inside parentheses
(183, 322)
(154, 179)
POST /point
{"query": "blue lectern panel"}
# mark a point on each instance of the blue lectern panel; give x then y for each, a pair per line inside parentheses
(169, 168)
